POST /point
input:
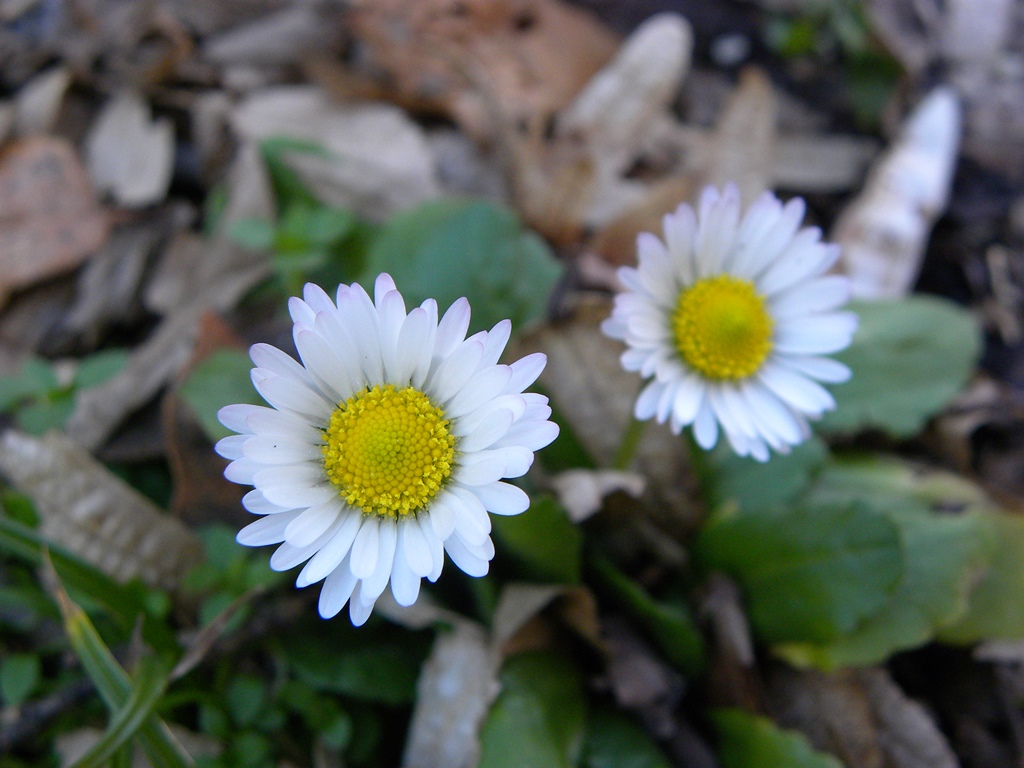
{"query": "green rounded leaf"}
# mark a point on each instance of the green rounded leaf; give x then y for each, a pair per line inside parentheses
(543, 541)
(538, 718)
(909, 358)
(995, 609)
(748, 741)
(221, 379)
(617, 741)
(19, 676)
(446, 249)
(809, 573)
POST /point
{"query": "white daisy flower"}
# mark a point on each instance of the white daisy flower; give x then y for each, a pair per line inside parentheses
(386, 447)
(730, 318)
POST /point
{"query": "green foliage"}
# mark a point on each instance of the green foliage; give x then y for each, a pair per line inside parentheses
(995, 609)
(670, 624)
(218, 380)
(41, 397)
(617, 741)
(810, 573)
(539, 717)
(19, 676)
(749, 741)
(909, 358)
(446, 249)
(543, 541)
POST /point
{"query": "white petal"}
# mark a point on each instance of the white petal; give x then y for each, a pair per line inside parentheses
(267, 421)
(358, 611)
(451, 330)
(680, 228)
(491, 429)
(455, 370)
(234, 417)
(295, 485)
(242, 471)
(497, 338)
(532, 435)
(337, 590)
(392, 314)
(647, 403)
(826, 334)
(760, 248)
(799, 391)
(485, 385)
(472, 523)
(292, 395)
(365, 549)
(317, 298)
(334, 548)
(820, 368)
(329, 373)
(442, 516)
(405, 585)
(465, 557)
(414, 547)
(277, 362)
(257, 503)
(705, 427)
(311, 524)
(818, 295)
(413, 352)
(232, 447)
(480, 469)
(372, 587)
(276, 449)
(719, 222)
(266, 530)
(383, 285)
(502, 498)
(300, 311)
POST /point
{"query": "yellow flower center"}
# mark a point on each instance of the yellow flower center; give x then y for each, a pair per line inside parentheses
(722, 328)
(388, 451)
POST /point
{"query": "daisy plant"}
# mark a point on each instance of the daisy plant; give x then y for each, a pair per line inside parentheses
(386, 447)
(730, 318)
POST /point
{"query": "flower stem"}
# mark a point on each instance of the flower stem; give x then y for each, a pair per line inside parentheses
(630, 441)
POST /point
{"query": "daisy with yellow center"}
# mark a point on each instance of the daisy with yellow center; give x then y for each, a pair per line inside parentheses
(386, 447)
(730, 318)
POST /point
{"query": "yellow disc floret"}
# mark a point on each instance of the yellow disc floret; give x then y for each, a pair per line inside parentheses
(722, 328)
(388, 451)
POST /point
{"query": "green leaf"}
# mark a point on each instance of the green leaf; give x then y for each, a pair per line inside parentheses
(995, 609)
(748, 741)
(40, 416)
(124, 603)
(670, 625)
(544, 540)
(115, 687)
(99, 367)
(617, 741)
(375, 666)
(943, 556)
(754, 485)
(287, 184)
(254, 233)
(909, 358)
(245, 698)
(221, 379)
(35, 379)
(446, 249)
(19, 676)
(810, 573)
(147, 690)
(538, 718)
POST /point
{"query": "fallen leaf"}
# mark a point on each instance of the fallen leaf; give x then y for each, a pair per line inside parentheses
(50, 219)
(95, 514)
(130, 156)
(582, 491)
(884, 231)
(39, 101)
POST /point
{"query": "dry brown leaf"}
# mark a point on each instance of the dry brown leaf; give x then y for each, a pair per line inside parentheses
(39, 101)
(129, 155)
(220, 278)
(455, 689)
(50, 219)
(378, 159)
(884, 231)
(284, 37)
(95, 514)
(743, 146)
(582, 491)
(490, 64)
(861, 716)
